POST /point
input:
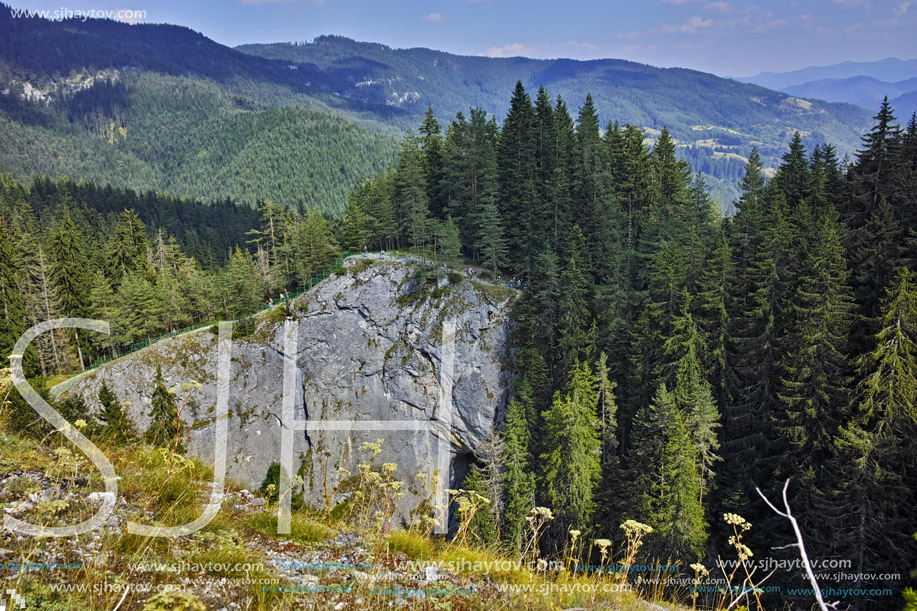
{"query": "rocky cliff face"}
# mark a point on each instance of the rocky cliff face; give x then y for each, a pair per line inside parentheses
(368, 347)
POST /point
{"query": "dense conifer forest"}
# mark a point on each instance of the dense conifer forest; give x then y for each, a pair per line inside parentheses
(678, 358)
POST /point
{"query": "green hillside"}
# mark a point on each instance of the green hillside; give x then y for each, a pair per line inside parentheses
(715, 121)
(162, 107)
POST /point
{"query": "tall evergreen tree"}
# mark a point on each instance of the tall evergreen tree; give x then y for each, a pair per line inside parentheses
(518, 481)
(68, 275)
(516, 171)
(434, 165)
(792, 178)
(127, 250)
(163, 428)
(12, 302)
(666, 482)
(693, 396)
(574, 319)
(411, 194)
(875, 509)
(571, 438)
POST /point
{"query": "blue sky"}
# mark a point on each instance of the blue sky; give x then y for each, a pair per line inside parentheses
(726, 37)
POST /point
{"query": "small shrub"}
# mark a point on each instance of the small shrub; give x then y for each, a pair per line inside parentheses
(360, 266)
(276, 315)
(270, 488)
(244, 327)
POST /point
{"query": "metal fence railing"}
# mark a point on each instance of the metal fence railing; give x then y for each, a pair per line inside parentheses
(335, 267)
(117, 353)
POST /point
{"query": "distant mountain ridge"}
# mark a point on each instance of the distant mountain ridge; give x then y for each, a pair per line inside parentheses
(864, 91)
(162, 107)
(861, 83)
(890, 70)
(716, 121)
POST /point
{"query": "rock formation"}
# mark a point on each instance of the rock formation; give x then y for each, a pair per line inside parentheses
(368, 347)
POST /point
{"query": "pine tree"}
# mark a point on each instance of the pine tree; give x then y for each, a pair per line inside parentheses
(448, 243)
(516, 172)
(491, 244)
(611, 497)
(163, 429)
(574, 318)
(46, 310)
(470, 172)
(653, 326)
(693, 396)
(759, 299)
(411, 193)
(875, 457)
(518, 482)
(102, 306)
(12, 303)
(594, 207)
(666, 484)
(542, 229)
(135, 313)
(270, 242)
(563, 214)
(312, 244)
(877, 172)
(814, 372)
(244, 290)
(483, 526)
(126, 252)
(68, 275)
(670, 212)
(355, 233)
(432, 145)
(116, 424)
(712, 313)
(874, 257)
(792, 178)
(571, 438)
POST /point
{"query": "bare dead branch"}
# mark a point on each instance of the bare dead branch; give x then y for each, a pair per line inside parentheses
(799, 542)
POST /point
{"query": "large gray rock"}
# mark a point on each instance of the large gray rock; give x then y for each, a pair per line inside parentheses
(369, 348)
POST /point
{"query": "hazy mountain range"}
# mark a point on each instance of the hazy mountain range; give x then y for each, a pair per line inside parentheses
(861, 83)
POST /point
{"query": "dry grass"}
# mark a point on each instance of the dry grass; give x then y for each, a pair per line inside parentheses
(239, 546)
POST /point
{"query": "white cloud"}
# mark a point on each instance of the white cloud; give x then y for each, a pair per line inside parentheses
(679, 2)
(580, 45)
(901, 9)
(719, 5)
(689, 26)
(433, 18)
(511, 50)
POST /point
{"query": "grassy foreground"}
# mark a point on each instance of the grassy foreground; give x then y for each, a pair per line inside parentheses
(238, 561)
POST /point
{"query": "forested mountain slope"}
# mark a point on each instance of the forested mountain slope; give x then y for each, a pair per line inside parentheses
(162, 107)
(715, 121)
